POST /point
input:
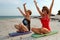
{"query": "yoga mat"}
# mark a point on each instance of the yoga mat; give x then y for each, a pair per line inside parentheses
(18, 33)
(42, 35)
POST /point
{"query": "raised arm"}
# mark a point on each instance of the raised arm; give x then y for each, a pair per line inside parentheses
(37, 7)
(51, 6)
(24, 7)
(21, 11)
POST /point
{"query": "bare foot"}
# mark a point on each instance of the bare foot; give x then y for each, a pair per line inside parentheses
(17, 26)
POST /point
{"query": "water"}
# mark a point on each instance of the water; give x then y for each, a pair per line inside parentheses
(9, 17)
(13, 17)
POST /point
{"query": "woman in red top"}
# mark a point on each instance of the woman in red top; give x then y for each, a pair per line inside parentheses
(45, 14)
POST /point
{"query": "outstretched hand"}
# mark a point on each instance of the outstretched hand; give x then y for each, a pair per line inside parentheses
(24, 4)
(53, 0)
(35, 2)
(18, 8)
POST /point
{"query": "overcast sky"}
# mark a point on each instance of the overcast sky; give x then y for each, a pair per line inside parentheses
(9, 7)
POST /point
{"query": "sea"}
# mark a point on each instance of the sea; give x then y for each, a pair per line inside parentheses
(9, 17)
(13, 17)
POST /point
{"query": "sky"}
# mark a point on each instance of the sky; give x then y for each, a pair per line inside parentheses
(9, 7)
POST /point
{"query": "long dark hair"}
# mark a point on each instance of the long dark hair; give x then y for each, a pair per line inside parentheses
(45, 8)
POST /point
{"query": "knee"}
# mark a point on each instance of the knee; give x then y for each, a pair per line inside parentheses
(33, 29)
(21, 24)
(45, 30)
(15, 25)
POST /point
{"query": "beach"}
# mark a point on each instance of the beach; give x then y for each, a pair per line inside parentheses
(7, 26)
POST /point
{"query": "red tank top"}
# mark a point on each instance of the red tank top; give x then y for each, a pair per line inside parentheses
(45, 22)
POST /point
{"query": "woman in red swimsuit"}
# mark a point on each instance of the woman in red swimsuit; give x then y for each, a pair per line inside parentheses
(45, 14)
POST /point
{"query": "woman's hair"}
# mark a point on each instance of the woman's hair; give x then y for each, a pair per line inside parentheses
(45, 8)
(29, 12)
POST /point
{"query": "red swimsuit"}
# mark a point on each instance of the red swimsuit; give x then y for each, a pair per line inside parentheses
(45, 22)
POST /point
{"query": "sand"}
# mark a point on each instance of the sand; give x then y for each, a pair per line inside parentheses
(7, 26)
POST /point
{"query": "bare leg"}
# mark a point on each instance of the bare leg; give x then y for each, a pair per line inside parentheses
(40, 30)
(45, 30)
(23, 27)
(18, 28)
(36, 30)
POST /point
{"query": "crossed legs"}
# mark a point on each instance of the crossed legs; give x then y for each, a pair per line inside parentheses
(40, 30)
(21, 28)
